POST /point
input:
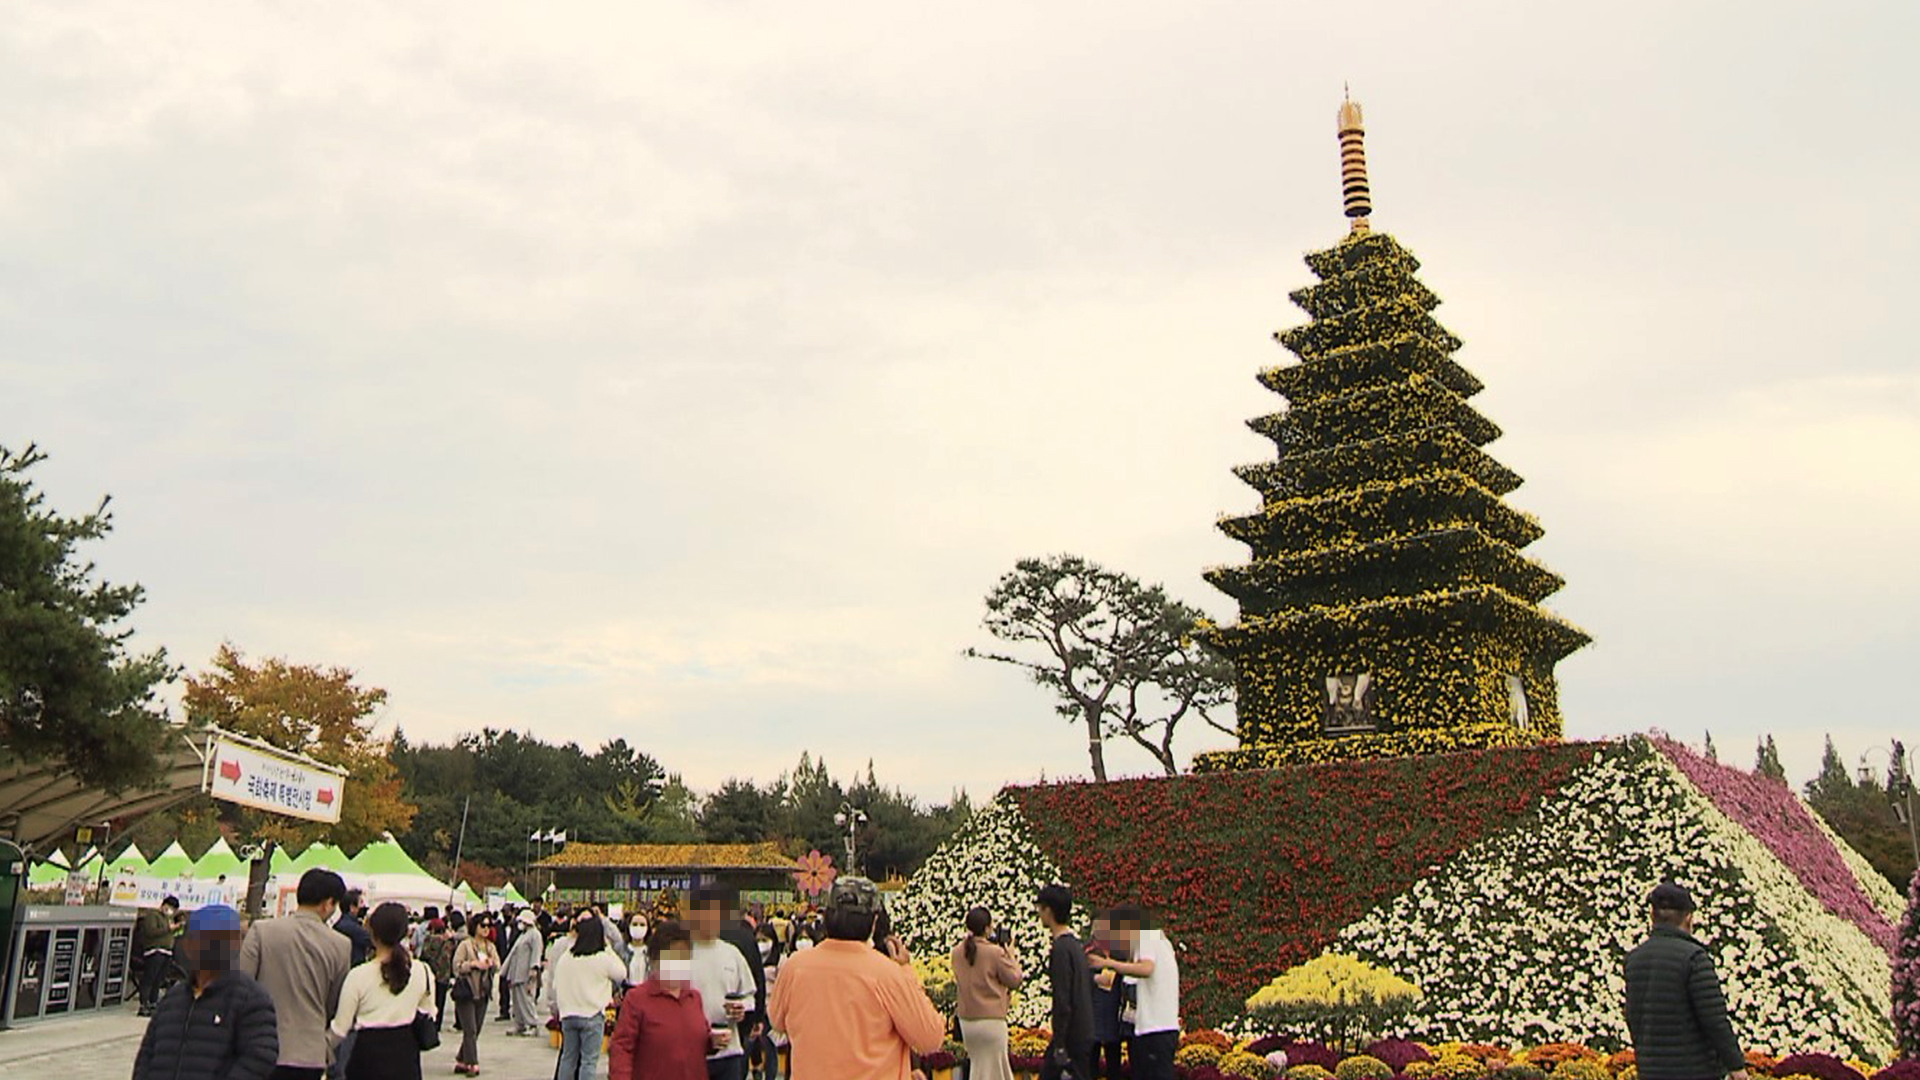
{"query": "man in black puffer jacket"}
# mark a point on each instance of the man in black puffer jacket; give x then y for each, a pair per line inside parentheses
(219, 1023)
(1675, 1007)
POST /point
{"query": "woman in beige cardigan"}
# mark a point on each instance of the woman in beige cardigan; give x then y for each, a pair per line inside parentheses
(985, 974)
(474, 964)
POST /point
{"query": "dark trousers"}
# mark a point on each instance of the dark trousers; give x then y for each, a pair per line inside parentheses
(440, 1004)
(1106, 1060)
(1082, 1069)
(153, 976)
(1153, 1055)
(470, 1014)
(727, 1068)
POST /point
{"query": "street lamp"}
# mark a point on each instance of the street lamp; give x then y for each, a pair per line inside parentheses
(1899, 789)
(850, 818)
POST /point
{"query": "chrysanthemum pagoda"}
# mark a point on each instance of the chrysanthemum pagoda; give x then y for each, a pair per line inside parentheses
(1387, 608)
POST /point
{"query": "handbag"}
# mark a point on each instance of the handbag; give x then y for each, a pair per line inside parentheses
(426, 1034)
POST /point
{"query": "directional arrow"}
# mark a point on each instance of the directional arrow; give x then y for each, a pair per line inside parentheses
(230, 770)
(324, 796)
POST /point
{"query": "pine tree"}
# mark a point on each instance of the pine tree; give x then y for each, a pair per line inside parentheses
(1834, 784)
(1906, 976)
(1387, 608)
(1767, 761)
(1713, 752)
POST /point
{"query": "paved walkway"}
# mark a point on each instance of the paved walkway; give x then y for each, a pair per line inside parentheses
(101, 1046)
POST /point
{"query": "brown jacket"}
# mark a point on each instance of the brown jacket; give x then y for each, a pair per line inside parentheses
(985, 984)
(302, 962)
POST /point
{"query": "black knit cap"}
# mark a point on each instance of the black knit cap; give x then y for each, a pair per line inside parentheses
(1670, 897)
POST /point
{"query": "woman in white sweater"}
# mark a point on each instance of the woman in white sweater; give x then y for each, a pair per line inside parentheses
(585, 980)
(379, 1000)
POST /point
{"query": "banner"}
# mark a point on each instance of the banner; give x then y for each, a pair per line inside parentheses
(132, 890)
(250, 774)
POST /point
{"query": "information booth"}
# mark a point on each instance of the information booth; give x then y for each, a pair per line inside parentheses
(68, 960)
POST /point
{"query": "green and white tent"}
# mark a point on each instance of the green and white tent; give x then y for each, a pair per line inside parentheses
(465, 897)
(512, 895)
(172, 863)
(387, 873)
(130, 859)
(218, 862)
(50, 874)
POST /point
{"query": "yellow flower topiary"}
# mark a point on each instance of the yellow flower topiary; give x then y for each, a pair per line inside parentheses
(1194, 1055)
(1247, 1065)
(1362, 1067)
(1335, 980)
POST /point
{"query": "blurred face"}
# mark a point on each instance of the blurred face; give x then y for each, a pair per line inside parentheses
(212, 950)
(705, 923)
(1124, 935)
(675, 968)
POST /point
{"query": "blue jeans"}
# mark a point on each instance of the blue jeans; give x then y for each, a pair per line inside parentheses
(580, 1046)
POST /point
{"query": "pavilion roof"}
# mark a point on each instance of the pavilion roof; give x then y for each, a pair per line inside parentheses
(764, 856)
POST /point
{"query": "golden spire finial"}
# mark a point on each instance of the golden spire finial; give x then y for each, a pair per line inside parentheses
(1354, 191)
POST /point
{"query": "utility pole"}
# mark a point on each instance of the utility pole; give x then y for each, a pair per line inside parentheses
(459, 849)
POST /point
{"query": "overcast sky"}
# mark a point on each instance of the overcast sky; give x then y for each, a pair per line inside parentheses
(688, 372)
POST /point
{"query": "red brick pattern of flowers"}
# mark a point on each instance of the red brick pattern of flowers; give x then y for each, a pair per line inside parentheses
(1258, 871)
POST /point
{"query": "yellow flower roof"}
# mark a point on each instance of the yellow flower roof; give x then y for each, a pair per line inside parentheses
(764, 856)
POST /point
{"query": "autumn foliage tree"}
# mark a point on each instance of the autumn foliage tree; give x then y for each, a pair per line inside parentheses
(311, 710)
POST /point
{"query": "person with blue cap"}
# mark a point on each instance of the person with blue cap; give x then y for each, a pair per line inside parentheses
(218, 1023)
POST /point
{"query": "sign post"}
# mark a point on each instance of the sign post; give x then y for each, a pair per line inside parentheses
(248, 772)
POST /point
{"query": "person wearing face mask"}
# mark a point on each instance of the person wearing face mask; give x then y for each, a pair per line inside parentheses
(220, 1022)
(302, 963)
(663, 1033)
(637, 940)
(763, 1051)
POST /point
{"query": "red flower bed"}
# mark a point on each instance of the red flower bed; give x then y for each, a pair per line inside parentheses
(1255, 872)
(1769, 811)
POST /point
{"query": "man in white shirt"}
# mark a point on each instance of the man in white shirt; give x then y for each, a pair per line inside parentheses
(725, 982)
(1154, 971)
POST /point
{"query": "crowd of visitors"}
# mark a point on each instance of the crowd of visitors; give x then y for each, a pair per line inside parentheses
(726, 995)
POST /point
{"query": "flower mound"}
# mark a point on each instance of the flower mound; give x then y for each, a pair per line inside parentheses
(1566, 894)
(1772, 813)
(1225, 858)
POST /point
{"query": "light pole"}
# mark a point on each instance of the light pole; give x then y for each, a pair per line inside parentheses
(1899, 789)
(851, 818)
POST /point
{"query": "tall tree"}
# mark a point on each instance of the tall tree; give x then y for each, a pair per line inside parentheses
(739, 813)
(1713, 752)
(1862, 812)
(319, 712)
(71, 691)
(1767, 761)
(1120, 656)
(1834, 785)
